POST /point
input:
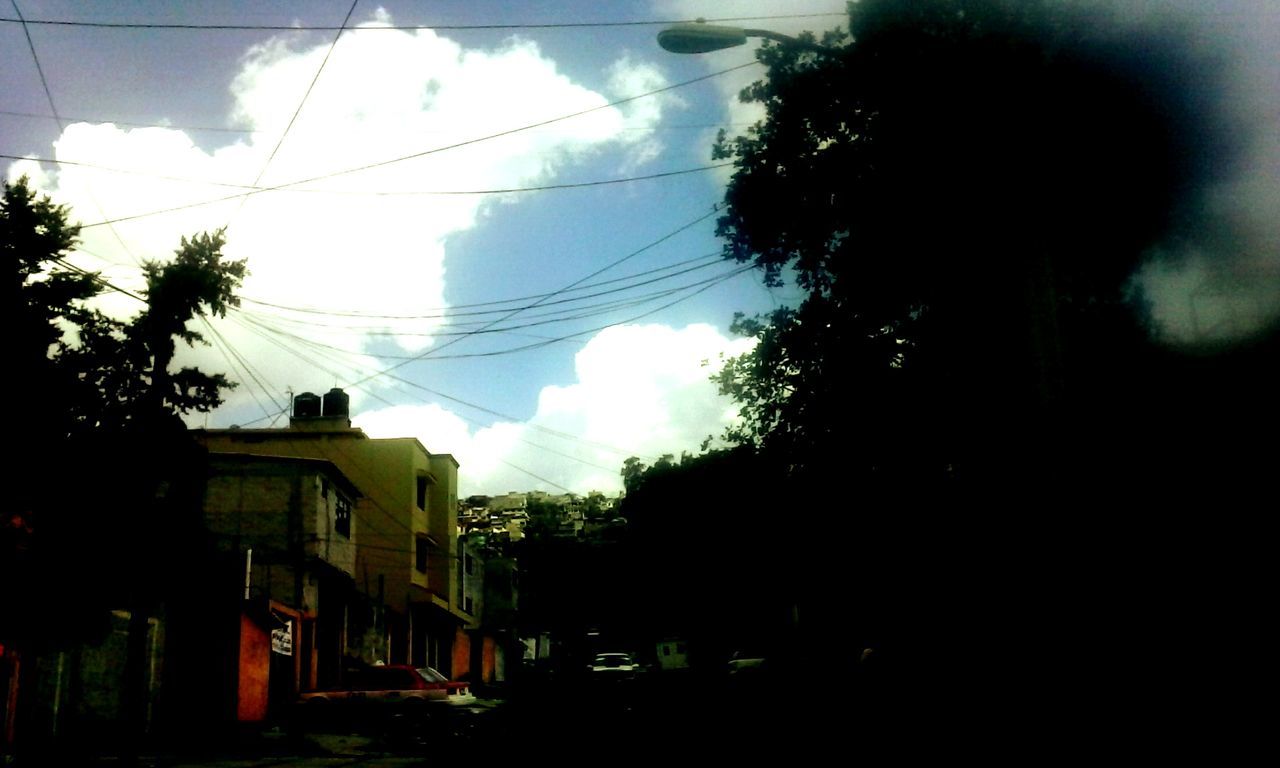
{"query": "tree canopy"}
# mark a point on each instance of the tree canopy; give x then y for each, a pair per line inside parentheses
(104, 483)
(963, 190)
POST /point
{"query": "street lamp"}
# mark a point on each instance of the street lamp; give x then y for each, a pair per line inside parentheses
(700, 37)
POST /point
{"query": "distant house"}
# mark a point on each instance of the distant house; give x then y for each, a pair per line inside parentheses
(672, 654)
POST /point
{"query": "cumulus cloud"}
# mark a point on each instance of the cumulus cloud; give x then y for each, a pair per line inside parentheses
(640, 390)
(628, 79)
(368, 241)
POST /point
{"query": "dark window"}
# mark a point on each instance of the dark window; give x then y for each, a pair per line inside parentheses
(466, 605)
(422, 493)
(342, 518)
(422, 556)
(470, 565)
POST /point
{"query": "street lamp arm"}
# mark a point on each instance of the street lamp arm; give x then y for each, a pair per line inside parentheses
(789, 41)
(704, 38)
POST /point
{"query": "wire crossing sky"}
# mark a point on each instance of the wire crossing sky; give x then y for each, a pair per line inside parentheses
(493, 222)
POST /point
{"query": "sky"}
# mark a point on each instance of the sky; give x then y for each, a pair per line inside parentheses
(541, 335)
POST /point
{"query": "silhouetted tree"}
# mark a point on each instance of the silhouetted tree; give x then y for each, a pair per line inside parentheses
(963, 191)
(110, 487)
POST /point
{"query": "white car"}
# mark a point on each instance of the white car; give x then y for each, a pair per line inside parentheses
(613, 666)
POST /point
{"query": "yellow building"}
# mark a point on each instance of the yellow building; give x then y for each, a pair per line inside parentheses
(407, 522)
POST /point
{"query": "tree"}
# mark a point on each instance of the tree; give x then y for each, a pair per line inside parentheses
(964, 192)
(124, 366)
(108, 483)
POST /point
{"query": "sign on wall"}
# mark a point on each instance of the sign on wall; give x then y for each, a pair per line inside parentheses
(282, 640)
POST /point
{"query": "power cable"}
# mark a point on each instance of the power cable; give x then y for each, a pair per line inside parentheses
(416, 155)
(601, 309)
(223, 349)
(253, 188)
(556, 433)
(579, 281)
(346, 320)
(98, 279)
(211, 129)
(715, 257)
(44, 83)
(408, 27)
(298, 111)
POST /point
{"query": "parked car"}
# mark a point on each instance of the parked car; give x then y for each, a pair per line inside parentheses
(613, 666)
(393, 684)
(745, 663)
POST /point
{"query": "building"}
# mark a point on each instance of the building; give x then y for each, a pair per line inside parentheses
(406, 515)
(289, 521)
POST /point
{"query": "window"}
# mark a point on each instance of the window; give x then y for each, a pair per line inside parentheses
(421, 553)
(342, 518)
(466, 605)
(470, 565)
(422, 493)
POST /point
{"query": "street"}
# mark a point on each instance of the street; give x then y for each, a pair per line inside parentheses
(661, 718)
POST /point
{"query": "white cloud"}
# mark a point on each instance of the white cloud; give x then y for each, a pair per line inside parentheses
(640, 390)
(628, 79)
(329, 243)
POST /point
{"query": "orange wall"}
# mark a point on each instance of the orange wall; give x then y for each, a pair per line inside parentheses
(255, 665)
(488, 660)
(461, 655)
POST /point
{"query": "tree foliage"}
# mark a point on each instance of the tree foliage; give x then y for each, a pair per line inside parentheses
(105, 483)
(124, 366)
(963, 190)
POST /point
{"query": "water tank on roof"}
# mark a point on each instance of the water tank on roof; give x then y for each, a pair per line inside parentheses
(337, 403)
(306, 405)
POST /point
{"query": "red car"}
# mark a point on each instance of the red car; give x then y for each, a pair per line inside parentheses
(395, 684)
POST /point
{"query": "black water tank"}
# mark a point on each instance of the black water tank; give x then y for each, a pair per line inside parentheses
(336, 403)
(306, 406)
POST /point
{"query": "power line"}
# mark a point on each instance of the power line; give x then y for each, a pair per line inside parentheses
(416, 155)
(44, 83)
(579, 281)
(253, 188)
(391, 404)
(129, 123)
(552, 319)
(291, 350)
(406, 27)
(298, 111)
(346, 313)
(98, 279)
(215, 129)
(224, 350)
(449, 314)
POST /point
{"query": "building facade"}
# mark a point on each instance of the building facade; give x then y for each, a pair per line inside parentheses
(405, 560)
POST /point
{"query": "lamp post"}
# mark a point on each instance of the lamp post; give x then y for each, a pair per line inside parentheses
(700, 37)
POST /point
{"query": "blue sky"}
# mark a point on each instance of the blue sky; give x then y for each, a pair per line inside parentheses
(153, 119)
